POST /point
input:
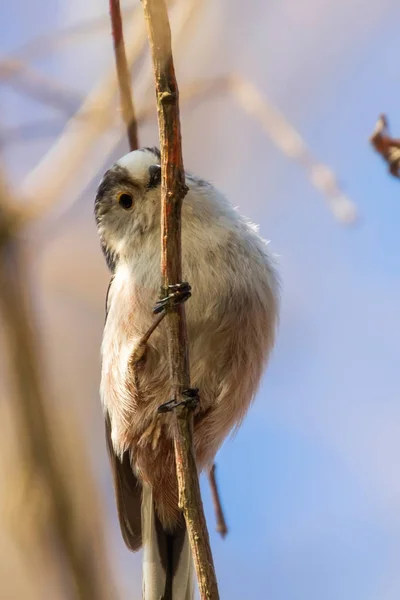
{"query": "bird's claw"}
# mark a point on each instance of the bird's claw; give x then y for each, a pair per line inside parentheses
(190, 400)
(178, 293)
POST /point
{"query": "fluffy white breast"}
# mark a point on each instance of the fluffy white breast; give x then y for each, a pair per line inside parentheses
(117, 339)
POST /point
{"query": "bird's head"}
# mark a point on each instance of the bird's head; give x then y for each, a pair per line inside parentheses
(127, 203)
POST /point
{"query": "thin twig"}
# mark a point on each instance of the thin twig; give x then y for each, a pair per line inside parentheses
(173, 191)
(219, 513)
(124, 79)
(386, 146)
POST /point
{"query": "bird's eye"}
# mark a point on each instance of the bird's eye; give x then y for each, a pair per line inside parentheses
(125, 200)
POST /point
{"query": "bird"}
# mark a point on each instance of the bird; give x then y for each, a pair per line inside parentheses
(232, 317)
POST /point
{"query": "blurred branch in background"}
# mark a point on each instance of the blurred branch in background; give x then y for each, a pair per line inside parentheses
(74, 159)
(26, 80)
(31, 130)
(282, 134)
(98, 111)
(70, 155)
(44, 44)
(50, 461)
(47, 90)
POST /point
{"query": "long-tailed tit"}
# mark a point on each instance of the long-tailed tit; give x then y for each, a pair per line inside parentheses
(231, 321)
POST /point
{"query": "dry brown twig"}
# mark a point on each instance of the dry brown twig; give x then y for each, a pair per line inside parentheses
(222, 527)
(124, 78)
(386, 146)
(173, 190)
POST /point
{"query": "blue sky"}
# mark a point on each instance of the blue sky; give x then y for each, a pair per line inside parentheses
(311, 483)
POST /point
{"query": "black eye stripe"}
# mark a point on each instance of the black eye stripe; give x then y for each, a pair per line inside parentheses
(125, 200)
(154, 176)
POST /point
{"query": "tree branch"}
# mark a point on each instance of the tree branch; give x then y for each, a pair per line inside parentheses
(219, 513)
(124, 79)
(173, 191)
(386, 146)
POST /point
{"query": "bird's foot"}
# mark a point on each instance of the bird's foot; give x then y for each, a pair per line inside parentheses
(177, 294)
(190, 400)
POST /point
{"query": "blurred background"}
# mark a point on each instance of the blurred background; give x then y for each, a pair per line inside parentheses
(311, 484)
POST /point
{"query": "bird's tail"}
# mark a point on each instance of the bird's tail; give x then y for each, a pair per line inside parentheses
(167, 560)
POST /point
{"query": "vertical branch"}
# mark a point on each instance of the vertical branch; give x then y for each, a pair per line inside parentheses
(173, 191)
(124, 79)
